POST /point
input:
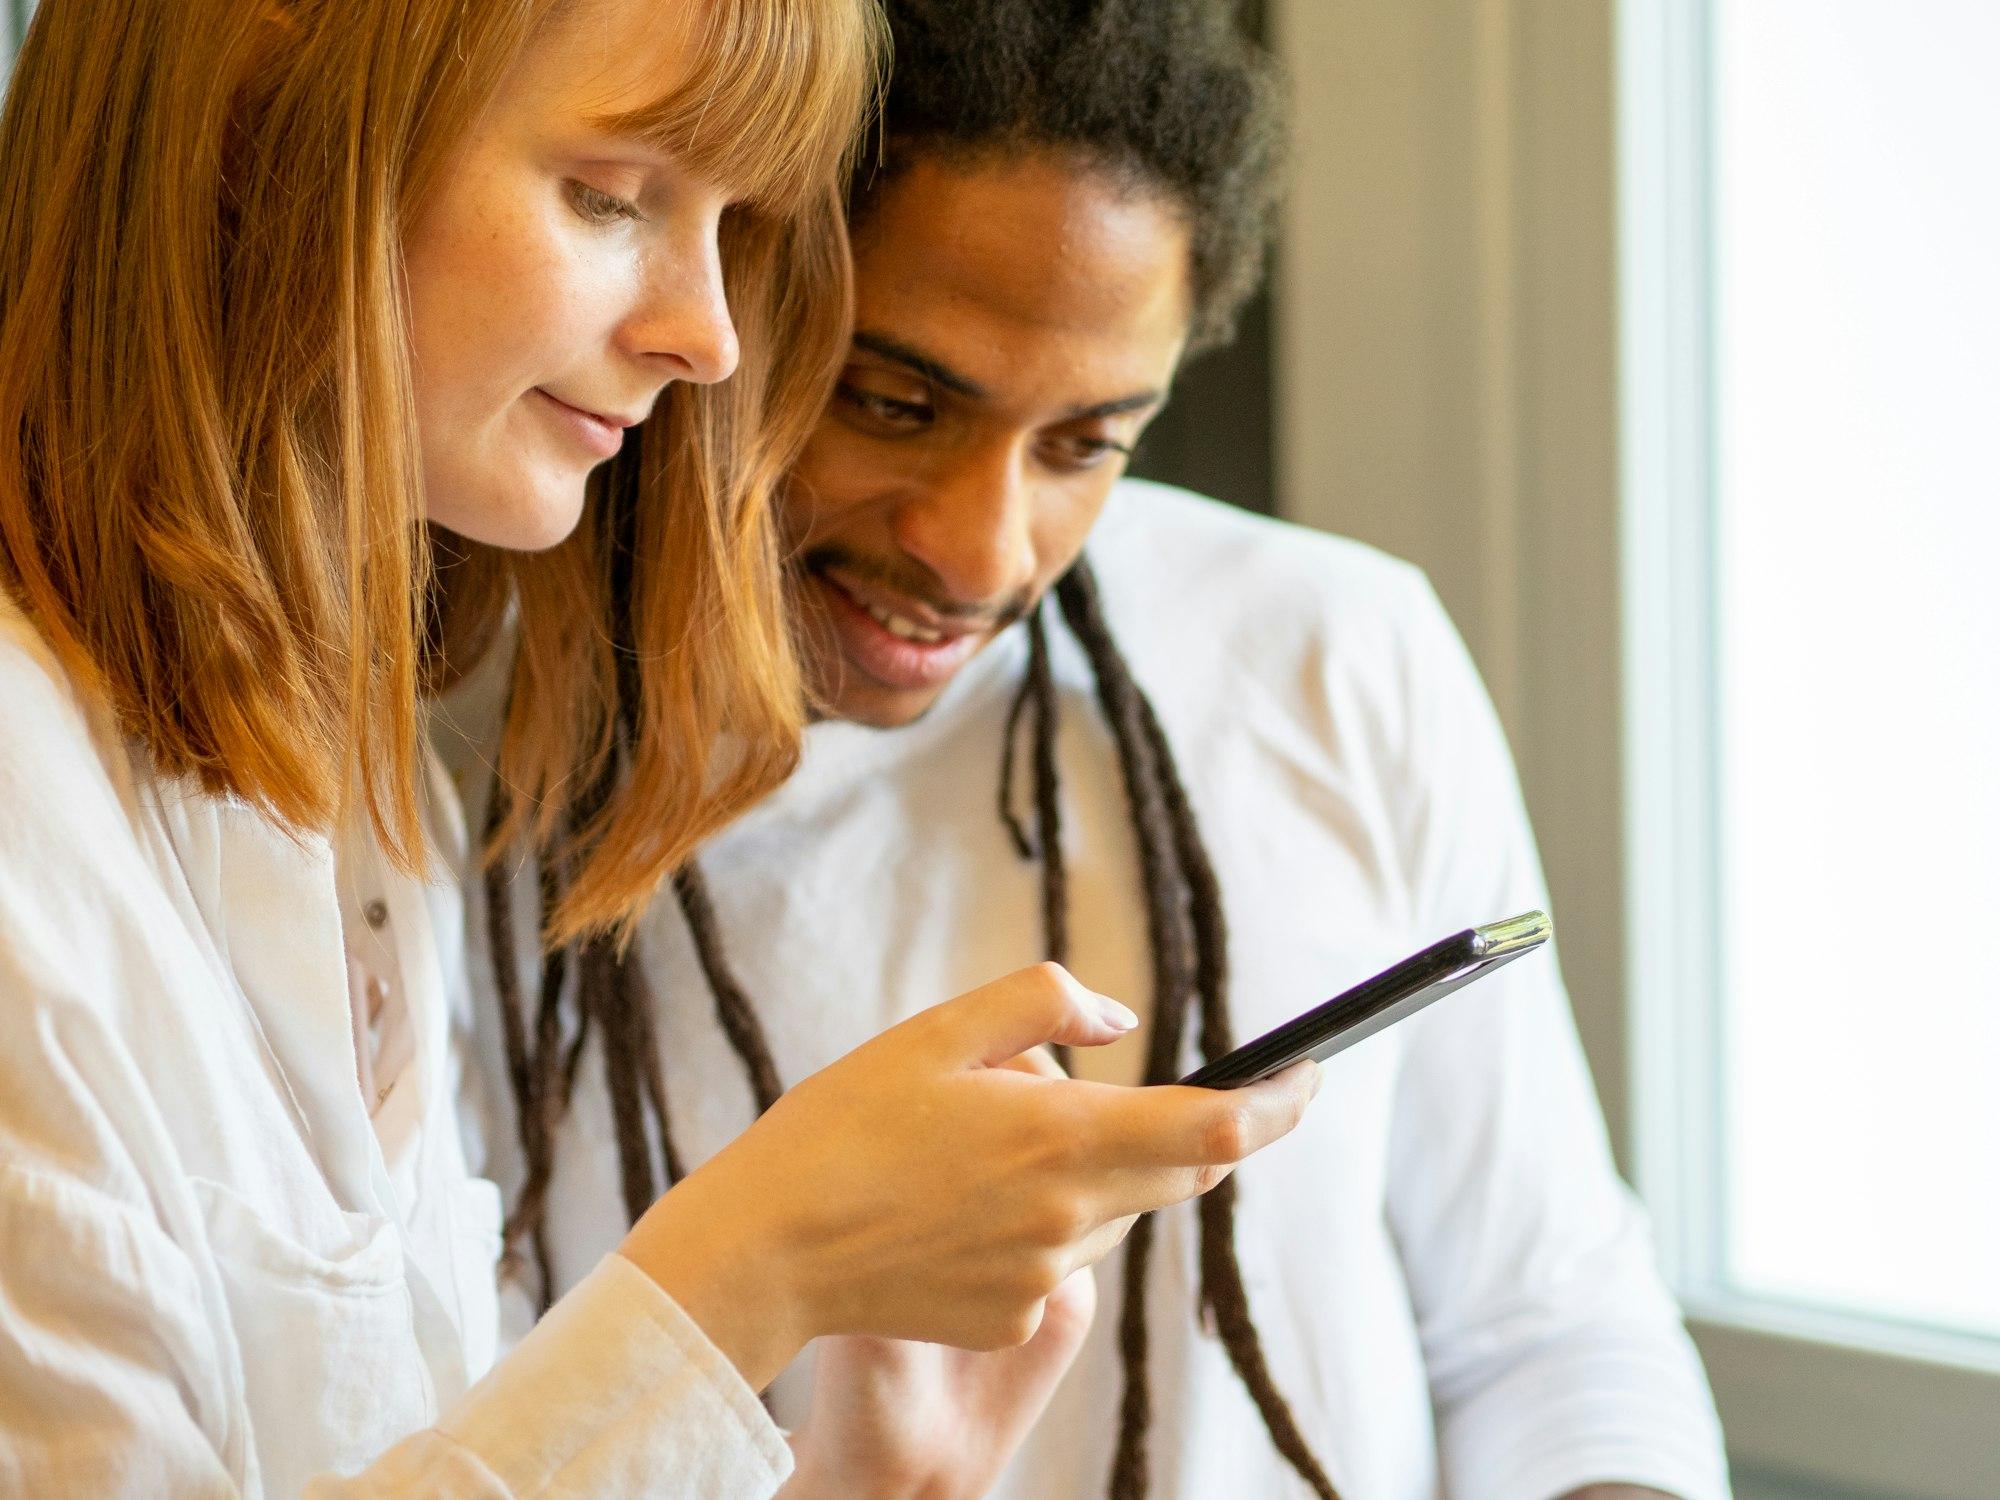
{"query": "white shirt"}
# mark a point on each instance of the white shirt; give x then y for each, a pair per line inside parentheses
(1455, 1292)
(213, 1281)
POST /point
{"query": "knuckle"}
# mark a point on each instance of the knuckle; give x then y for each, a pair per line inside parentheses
(988, 1334)
(1048, 981)
(1049, 1273)
(1061, 1223)
(1030, 1280)
(1021, 1326)
(1015, 1311)
(1043, 1227)
(1229, 1136)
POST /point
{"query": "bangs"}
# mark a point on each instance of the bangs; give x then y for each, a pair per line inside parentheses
(774, 107)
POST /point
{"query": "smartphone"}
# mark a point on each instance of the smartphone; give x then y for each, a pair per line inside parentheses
(1380, 1002)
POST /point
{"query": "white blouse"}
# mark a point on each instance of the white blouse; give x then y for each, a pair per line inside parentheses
(223, 1268)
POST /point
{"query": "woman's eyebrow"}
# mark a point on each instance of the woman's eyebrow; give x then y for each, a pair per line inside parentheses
(619, 133)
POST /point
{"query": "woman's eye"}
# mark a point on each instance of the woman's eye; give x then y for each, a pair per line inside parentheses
(884, 413)
(597, 207)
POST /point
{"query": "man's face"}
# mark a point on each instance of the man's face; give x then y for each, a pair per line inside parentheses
(1017, 324)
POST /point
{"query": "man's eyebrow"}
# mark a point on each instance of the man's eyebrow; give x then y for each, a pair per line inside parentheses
(939, 373)
(1137, 401)
(932, 370)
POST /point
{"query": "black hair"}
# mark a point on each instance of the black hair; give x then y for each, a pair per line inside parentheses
(1166, 96)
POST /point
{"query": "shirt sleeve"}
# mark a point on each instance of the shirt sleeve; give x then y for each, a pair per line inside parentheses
(615, 1392)
(1556, 1354)
(120, 1373)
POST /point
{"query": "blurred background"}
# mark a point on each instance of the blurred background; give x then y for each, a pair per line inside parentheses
(1666, 336)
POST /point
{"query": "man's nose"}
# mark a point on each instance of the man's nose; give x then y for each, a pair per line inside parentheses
(681, 324)
(973, 525)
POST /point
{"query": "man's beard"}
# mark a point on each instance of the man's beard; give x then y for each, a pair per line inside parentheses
(821, 657)
(913, 584)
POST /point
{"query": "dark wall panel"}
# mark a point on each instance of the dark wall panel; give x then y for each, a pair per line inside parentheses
(1217, 436)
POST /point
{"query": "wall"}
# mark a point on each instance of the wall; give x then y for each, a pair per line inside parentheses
(1447, 381)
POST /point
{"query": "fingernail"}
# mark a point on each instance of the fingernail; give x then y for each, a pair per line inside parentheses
(1114, 1015)
(1319, 1077)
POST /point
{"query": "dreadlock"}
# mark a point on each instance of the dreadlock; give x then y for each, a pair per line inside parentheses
(1190, 964)
(1168, 95)
(1189, 941)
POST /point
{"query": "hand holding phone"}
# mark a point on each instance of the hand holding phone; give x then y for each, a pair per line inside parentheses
(1379, 1002)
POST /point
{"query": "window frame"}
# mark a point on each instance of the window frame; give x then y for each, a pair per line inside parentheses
(13, 28)
(1833, 1395)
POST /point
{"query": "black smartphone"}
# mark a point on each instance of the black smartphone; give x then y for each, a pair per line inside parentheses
(1380, 1002)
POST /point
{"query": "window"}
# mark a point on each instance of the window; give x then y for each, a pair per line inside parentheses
(1811, 362)
(1856, 403)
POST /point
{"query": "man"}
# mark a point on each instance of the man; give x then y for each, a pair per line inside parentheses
(1254, 765)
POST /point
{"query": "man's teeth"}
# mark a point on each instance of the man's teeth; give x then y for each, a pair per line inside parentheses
(908, 630)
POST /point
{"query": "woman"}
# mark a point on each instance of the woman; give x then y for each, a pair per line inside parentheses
(278, 284)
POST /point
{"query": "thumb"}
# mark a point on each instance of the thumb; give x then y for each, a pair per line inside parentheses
(998, 1021)
(1069, 1312)
(1020, 1381)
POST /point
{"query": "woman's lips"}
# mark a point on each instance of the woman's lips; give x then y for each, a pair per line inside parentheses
(891, 660)
(591, 432)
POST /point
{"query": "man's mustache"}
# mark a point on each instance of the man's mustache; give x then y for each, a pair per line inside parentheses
(913, 585)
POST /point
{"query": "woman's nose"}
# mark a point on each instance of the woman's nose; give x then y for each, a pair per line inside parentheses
(683, 322)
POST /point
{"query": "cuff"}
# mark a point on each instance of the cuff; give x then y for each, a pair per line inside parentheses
(1659, 1433)
(618, 1392)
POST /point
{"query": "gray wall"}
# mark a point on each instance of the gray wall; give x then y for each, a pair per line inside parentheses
(1752, 1485)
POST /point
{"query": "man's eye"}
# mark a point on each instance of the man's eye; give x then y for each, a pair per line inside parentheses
(595, 207)
(1087, 452)
(884, 413)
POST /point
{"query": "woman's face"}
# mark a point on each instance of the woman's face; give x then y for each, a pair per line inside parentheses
(559, 278)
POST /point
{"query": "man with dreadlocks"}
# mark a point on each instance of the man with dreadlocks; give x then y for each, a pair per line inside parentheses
(1208, 761)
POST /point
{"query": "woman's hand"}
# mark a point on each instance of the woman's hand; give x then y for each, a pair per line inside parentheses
(895, 1420)
(916, 1189)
